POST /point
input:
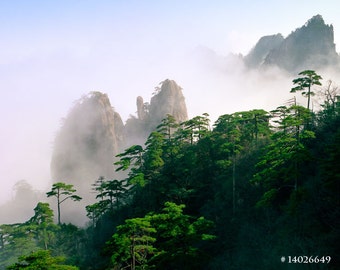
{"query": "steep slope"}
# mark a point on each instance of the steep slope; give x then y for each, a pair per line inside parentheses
(88, 139)
(85, 147)
(262, 48)
(167, 99)
(93, 134)
(309, 47)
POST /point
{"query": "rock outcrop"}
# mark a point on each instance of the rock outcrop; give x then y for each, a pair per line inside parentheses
(87, 142)
(93, 134)
(263, 47)
(86, 145)
(309, 47)
(168, 99)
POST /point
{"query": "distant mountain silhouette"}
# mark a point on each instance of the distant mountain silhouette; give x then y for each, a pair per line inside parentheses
(264, 46)
(308, 47)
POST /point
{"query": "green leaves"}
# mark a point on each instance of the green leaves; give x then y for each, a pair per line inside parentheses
(306, 81)
(243, 128)
(309, 78)
(168, 126)
(41, 260)
(43, 223)
(267, 198)
(154, 150)
(132, 243)
(278, 168)
(42, 214)
(111, 194)
(131, 157)
(60, 188)
(158, 238)
(62, 192)
(38, 233)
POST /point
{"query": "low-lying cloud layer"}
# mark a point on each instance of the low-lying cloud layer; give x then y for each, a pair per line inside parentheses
(211, 83)
(40, 83)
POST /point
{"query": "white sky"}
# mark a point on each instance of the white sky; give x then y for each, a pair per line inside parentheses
(53, 52)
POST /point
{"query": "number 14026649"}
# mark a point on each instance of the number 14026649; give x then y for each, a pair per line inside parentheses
(308, 259)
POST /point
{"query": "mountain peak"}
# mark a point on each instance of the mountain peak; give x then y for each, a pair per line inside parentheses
(317, 19)
(259, 52)
(167, 99)
(308, 47)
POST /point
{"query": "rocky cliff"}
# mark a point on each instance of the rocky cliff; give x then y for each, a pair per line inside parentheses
(263, 47)
(86, 144)
(93, 134)
(88, 139)
(309, 47)
(167, 99)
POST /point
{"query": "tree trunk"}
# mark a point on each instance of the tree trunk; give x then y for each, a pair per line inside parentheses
(58, 212)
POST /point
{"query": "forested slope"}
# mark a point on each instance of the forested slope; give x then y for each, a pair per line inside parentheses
(241, 193)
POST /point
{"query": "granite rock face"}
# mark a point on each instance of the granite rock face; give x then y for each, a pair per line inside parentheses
(88, 139)
(263, 47)
(86, 144)
(92, 135)
(167, 99)
(308, 47)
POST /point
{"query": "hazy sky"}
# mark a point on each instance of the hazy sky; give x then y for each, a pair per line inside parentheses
(53, 52)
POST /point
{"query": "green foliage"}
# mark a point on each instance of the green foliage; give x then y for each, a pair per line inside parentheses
(94, 211)
(16, 239)
(168, 126)
(60, 188)
(200, 198)
(159, 239)
(42, 224)
(62, 192)
(69, 243)
(41, 260)
(38, 233)
(153, 155)
(131, 157)
(307, 79)
(132, 160)
(111, 194)
(278, 169)
(267, 198)
(132, 243)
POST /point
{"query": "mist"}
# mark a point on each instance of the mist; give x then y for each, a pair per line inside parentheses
(211, 83)
(41, 82)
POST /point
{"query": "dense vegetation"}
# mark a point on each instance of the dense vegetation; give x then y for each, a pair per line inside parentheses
(255, 187)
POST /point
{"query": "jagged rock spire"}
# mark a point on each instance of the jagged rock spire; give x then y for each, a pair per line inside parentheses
(308, 47)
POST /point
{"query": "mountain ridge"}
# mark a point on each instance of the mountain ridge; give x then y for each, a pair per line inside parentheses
(308, 47)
